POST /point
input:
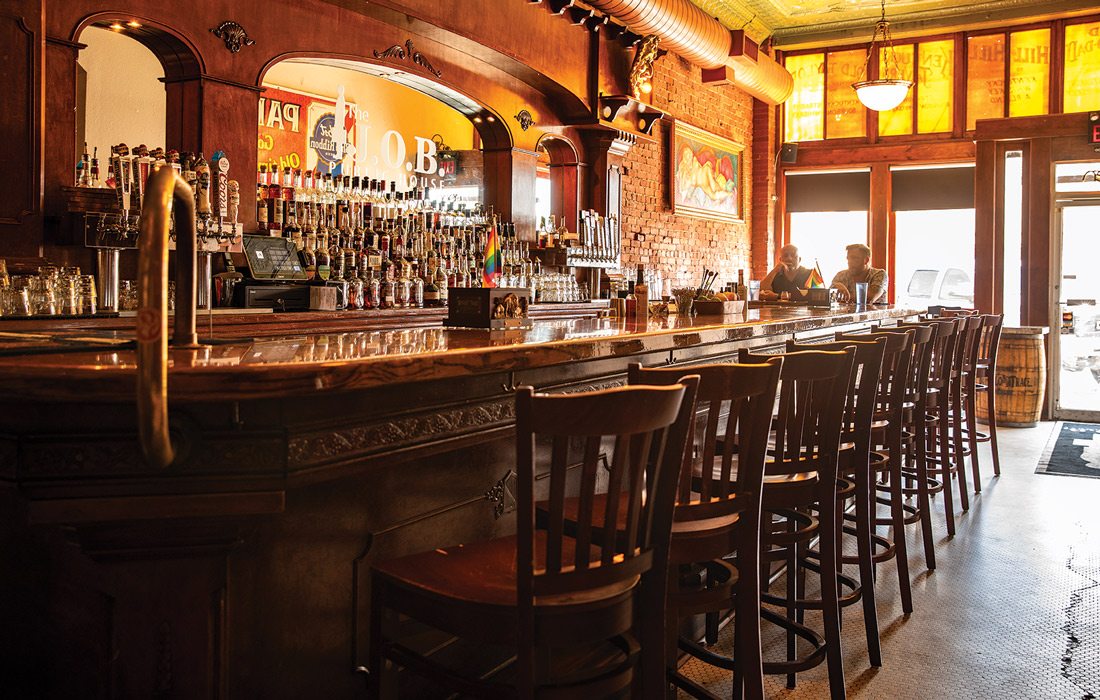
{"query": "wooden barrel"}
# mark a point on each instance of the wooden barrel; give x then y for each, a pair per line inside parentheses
(1021, 377)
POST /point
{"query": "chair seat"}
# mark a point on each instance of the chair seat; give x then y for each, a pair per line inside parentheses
(482, 573)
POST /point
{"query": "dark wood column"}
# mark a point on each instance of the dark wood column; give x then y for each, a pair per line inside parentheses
(988, 222)
(224, 105)
(22, 50)
(881, 218)
(606, 149)
(510, 187)
(1038, 184)
(60, 137)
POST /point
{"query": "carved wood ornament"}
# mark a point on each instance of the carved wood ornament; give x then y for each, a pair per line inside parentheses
(525, 119)
(408, 52)
(233, 34)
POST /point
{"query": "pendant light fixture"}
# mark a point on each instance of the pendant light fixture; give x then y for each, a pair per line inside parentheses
(890, 89)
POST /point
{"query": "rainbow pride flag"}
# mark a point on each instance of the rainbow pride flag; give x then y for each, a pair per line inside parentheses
(492, 258)
(816, 279)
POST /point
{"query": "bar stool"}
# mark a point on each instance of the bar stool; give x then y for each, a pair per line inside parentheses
(939, 455)
(964, 421)
(570, 611)
(800, 476)
(986, 382)
(714, 553)
(856, 474)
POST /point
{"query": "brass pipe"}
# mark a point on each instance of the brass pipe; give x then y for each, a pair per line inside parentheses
(166, 195)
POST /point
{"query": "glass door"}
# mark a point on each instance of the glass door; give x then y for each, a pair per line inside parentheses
(1076, 316)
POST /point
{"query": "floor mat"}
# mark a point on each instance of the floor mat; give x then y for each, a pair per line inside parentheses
(1073, 450)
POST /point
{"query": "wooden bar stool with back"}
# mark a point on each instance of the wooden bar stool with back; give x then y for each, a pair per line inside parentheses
(572, 616)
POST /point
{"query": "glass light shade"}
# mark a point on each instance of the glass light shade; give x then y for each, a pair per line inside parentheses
(882, 95)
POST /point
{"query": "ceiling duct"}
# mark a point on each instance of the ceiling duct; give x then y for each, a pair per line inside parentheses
(724, 56)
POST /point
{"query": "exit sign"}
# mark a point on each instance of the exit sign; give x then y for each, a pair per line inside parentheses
(1094, 127)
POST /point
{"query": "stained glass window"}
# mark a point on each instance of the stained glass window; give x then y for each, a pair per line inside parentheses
(845, 116)
(935, 86)
(985, 78)
(1029, 73)
(899, 120)
(1081, 92)
(806, 105)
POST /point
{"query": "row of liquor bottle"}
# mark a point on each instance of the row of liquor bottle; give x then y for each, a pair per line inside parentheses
(351, 201)
(373, 278)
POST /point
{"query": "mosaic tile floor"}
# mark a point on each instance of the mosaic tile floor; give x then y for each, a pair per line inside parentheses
(1012, 610)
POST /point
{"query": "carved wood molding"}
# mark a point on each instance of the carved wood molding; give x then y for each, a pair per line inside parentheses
(233, 34)
(408, 52)
(363, 440)
(87, 455)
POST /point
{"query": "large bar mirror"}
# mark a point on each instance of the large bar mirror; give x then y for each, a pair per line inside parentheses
(120, 95)
(394, 127)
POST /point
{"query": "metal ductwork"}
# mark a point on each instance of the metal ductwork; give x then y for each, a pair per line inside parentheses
(689, 31)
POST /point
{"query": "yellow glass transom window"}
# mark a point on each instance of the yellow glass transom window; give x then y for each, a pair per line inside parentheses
(1029, 73)
(806, 107)
(899, 120)
(985, 78)
(1081, 92)
(845, 117)
(935, 86)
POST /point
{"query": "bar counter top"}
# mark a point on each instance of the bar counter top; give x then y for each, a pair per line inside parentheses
(100, 366)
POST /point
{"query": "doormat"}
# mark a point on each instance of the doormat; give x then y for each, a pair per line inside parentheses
(1073, 450)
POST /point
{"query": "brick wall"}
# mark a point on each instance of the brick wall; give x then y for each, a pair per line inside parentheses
(681, 246)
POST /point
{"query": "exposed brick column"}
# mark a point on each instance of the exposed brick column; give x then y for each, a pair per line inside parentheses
(765, 144)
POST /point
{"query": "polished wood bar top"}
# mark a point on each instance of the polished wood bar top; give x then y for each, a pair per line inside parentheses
(60, 367)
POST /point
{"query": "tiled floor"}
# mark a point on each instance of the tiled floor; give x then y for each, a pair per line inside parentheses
(1011, 611)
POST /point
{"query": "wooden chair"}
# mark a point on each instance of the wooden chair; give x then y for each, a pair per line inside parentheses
(964, 395)
(856, 474)
(986, 383)
(577, 614)
(800, 477)
(939, 457)
(889, 441)
(718, 512)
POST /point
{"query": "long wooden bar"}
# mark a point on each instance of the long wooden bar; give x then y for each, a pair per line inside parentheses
(301, 460)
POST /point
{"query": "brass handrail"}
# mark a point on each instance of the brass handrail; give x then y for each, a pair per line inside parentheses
(166, 194)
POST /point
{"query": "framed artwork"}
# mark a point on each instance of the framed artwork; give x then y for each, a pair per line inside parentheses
(706, 174)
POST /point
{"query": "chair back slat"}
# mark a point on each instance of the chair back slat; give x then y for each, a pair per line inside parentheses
(589, 466)
(744, 394)
(940, 351)
(991, 339)
(646, 430)
(862, 389)
(812, 398)
(894, 377)
(556, 525)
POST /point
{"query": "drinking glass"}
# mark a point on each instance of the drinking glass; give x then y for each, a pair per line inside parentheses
(861, 294)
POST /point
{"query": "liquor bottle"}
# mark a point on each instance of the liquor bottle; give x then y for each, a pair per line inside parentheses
(431, 290)
(641, 297)
(95, 167)
(85, 169)
(416, 293)
(372, 292)
(261, 208)
(308, 255)
(323, 260)
(292, 230)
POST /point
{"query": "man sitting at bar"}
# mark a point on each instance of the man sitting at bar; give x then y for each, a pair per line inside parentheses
(787, 276)
(860, 270)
